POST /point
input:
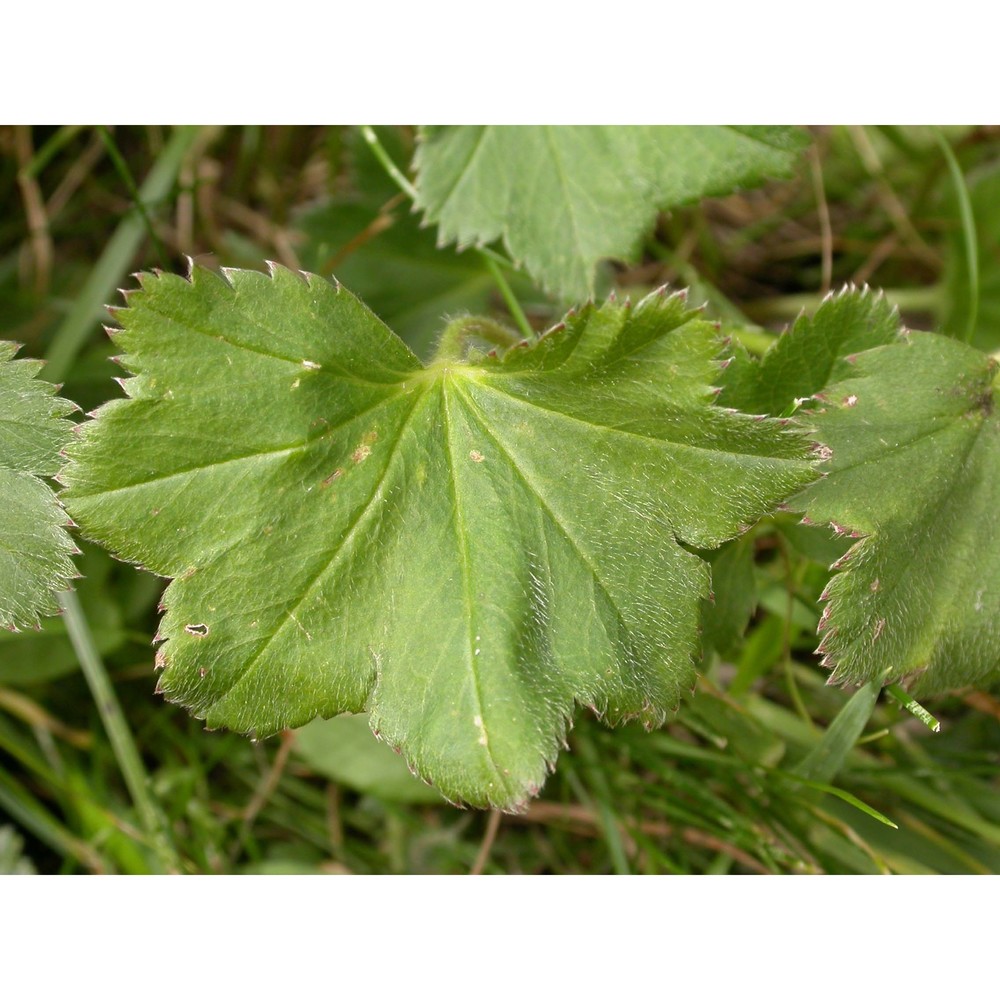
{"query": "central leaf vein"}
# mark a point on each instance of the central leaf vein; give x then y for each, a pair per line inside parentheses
(467, 589)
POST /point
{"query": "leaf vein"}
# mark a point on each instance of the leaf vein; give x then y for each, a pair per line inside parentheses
(544, 505)
(466, 581)
(363, 511)
(329, 368)
(282, 452)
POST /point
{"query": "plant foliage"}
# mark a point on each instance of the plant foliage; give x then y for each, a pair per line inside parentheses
(561, 199)
(462, 549)
(469, 547)
(35, 549)
(907, 425)
(915, 463)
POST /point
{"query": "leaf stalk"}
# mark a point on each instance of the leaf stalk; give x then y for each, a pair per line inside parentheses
(460, 333)
(508, 295)
(402, 181)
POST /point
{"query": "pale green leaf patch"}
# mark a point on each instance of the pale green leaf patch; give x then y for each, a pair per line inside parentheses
(35, 549)
(342, 749)
(463, 549)
(562, 198)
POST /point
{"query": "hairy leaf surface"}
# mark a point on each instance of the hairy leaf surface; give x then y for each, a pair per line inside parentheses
(35, 549)
(564, 197)
(908, 423)
(810, 355)
(915, 467)
(463, 550)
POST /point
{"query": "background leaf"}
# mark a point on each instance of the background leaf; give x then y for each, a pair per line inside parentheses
(734, 596)
(563, 198)
(35, 549)
(907, 426)
(344, 750)
(372, 242)
(915, 463)
(464, 550)
(33, 656)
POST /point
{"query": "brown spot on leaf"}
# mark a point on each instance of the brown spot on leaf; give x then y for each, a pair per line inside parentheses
(476, 456)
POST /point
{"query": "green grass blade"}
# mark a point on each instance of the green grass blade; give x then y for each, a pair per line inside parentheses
(852, 800)
(914, 707)
(601, 803)
(954, 809)
(368, 134)
(57, 141)
(825, 760)
(23, 808)
(968, 233)
(126, 175)
(508, 296)
(125, 750)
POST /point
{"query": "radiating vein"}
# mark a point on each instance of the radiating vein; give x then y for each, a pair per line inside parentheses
(463, 550)
(337, 553)
(543, 503)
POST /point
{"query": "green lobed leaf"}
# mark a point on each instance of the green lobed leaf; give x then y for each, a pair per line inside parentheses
(915, 467)
(909, 427)
(35, 549)
(564, 197)
(463, 550)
